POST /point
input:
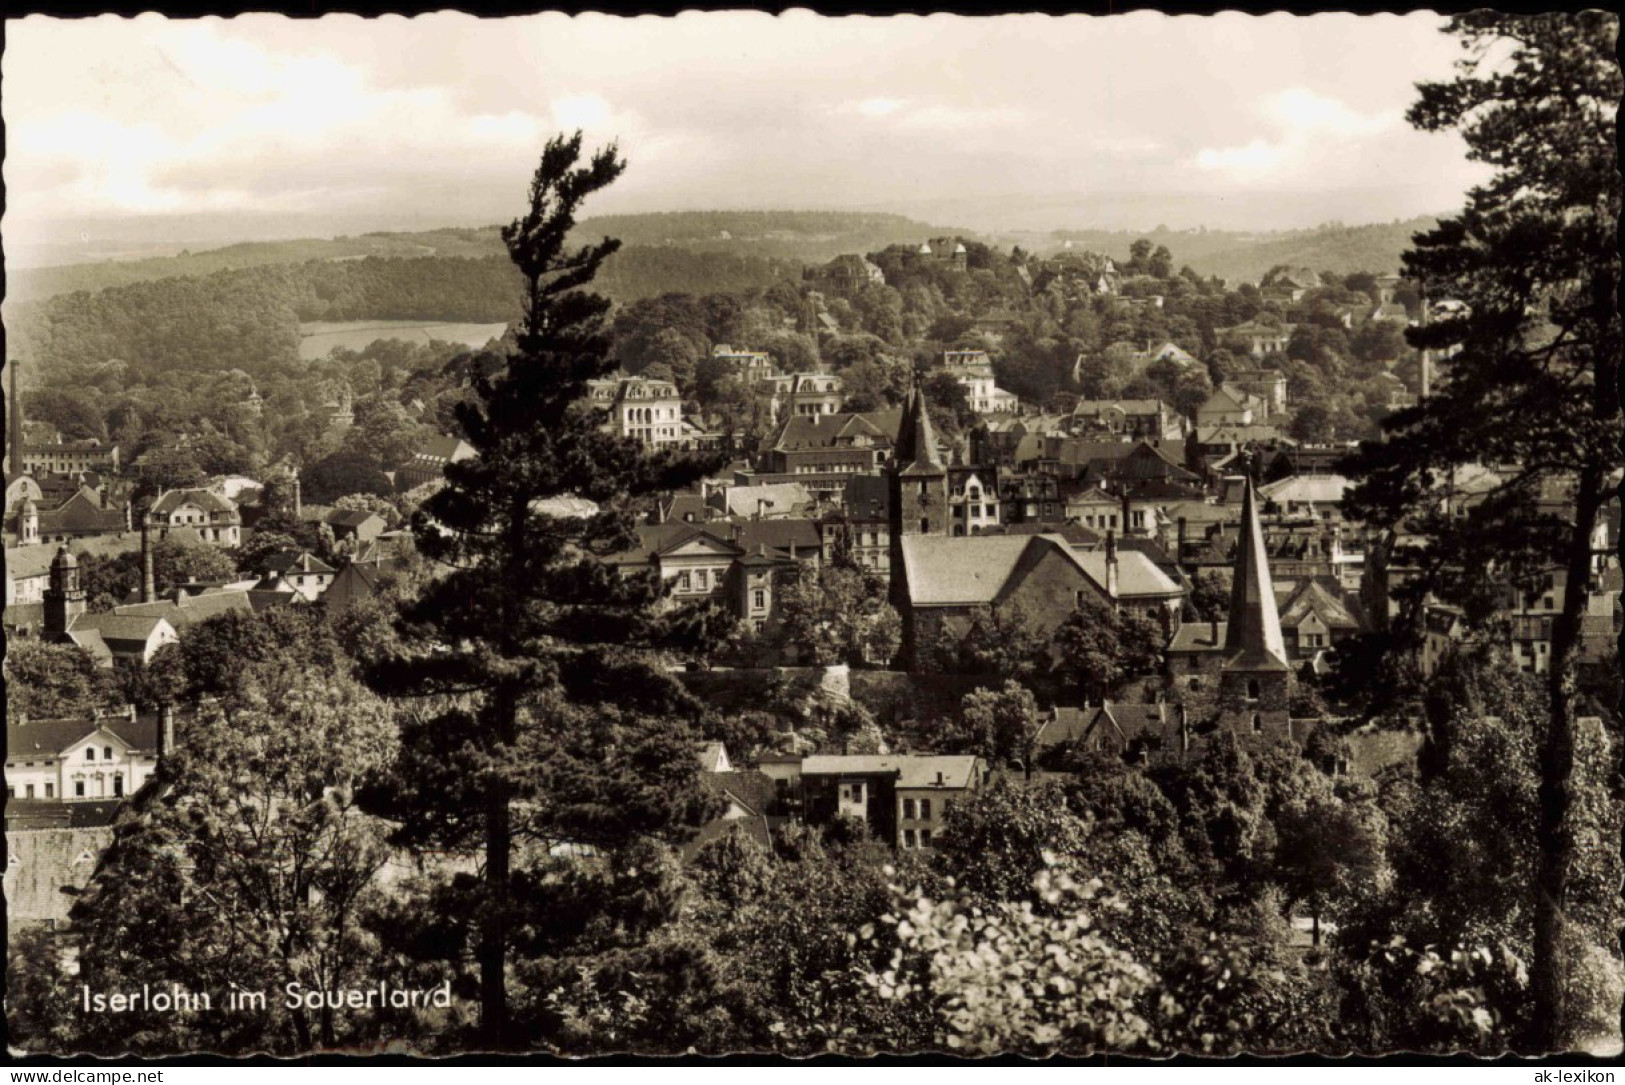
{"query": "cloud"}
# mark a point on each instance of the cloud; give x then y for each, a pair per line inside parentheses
(149, 116)
(1311, 129)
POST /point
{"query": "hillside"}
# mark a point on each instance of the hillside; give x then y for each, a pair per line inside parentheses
(1245, 257)
(752, 242)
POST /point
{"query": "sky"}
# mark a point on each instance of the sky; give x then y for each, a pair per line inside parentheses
(267, 126)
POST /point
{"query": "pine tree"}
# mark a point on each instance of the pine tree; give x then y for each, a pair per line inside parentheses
(1533, 259)
(547, 721)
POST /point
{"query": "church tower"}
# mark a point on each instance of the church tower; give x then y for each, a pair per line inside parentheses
(14, 446)
(917, 481)
(65, 598)
(28, 522)
(1255, 683)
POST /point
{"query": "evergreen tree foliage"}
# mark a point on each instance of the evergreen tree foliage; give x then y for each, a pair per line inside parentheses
(545, 720)
(1533, 381)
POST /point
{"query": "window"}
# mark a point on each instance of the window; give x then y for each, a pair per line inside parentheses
(79, 788)
(29, 790)
(118, 783)
(11, 793)
(1252, 689)
(925, 527)
(1196, 683)
(908, 838)
(90, 753)
(1258, 723)
(683, 582)
(925, 838)
(925, 809)
(923, 490)
(700, 580)
(107, 753)
(50, 791)
(908, 809)
(758, 599)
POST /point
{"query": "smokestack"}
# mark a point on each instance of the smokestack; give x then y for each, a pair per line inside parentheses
(1111, 566)
(1184, 730)
(166, 732)
(16, 396)
(149, 582)
(296, 506)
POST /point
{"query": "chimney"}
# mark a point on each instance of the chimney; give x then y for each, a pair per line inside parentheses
(16, 403)
(939, 778)
(166, 732)
(149, 583)
(1213, 630)
(1111, 566)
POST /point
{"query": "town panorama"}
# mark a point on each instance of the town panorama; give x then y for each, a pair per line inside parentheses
(666, 629)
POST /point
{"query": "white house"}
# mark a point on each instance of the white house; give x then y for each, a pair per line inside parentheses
(84, 758)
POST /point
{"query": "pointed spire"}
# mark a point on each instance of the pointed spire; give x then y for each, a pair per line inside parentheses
(1253, 639)
(917, 452)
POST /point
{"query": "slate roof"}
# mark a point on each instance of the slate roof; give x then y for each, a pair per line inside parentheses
(1310, 489)
(781, 497)
(687, 507)
(81, 514)
(868, 497)
(43, 861)
(798, 535)
(295, 561)
(1145, 461)
(1071, 531)
(1233, 434)
(1312, 596)
(23, 562)
(971, 570)
(1126, 721)
(351, 518)
(203, 499)
(443, 450)
(120, 632)
(912, 770)
(26, 814)
(1198, 637)
(1093, 407)
(826, 430)
(187, 609)
(47, 737)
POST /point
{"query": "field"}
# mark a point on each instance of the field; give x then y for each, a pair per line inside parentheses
(317, 338)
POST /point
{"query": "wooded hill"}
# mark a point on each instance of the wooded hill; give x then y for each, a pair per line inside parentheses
(760, 247)
(1246, 257)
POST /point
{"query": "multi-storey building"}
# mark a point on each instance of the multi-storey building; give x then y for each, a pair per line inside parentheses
(649, 411)
(214, 518)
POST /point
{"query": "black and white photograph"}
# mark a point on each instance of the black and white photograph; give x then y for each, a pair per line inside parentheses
(813, 537)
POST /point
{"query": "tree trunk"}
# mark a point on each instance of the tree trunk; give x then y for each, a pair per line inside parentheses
(493, 947)
(1550, 973)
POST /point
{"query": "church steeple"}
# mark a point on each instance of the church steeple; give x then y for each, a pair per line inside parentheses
(1253, 640)
(917, 450)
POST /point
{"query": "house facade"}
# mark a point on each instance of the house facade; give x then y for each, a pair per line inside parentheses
(214, 518)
